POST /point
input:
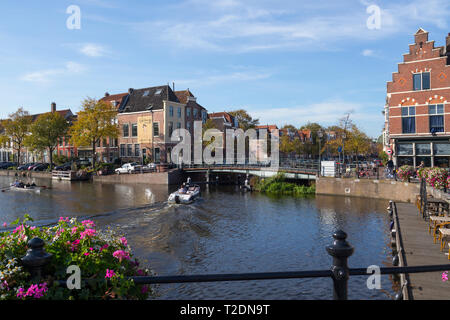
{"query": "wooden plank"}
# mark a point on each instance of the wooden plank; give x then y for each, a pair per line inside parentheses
(420, 250)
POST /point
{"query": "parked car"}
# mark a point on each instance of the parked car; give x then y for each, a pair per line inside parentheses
(6, 165)
(129, 168)
(41, 167)
(30, 168)
(64, 167)
(25, 166)
(149, 167)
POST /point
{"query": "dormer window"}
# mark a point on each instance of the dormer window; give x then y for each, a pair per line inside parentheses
(421, 81)
(158, 91)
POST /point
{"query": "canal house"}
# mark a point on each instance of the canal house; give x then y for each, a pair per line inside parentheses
(417, 110)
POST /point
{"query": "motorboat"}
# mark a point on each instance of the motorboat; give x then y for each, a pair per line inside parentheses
(185, 195)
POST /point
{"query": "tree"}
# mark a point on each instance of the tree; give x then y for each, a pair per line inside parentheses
(244, 119)
(358, 143)
(16, 129)
(95, 121)
(46, 132)
(209, 124)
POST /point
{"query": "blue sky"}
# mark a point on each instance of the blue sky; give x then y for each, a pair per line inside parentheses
(286, 62)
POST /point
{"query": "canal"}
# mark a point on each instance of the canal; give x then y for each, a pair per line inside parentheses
(224, 232)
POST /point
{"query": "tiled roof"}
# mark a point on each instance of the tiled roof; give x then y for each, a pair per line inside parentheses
(114, 97)
(66, 114)
(268, 127)
(228, 117)
(142, 99)
(183, 95)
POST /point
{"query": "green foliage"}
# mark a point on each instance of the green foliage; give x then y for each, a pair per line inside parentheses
(16, 129)
(244, 119)
(95, 121)
(102, 256)
(278, 186)
(46, 132)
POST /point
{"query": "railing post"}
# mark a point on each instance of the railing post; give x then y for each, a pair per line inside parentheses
(340, 250)
(36, 258)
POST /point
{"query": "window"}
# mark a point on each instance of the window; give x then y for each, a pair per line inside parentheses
(157, 155)
(146, 93)
(134, 130)
(126, 130)
(421, 81)
(423, 149)
(171, 111)
(436, 117)
(405, 149)
(179, 112)
(158, 91)
(122, 150)
(441, 149)
(129, 150)
(155, 129)
(188, 126)
(178, 125)
(408, 120)
(195, 112)
(188, 112)
(170, 128)
(204, 116)
(137, 150)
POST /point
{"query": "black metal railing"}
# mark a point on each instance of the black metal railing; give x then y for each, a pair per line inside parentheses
(340, 250)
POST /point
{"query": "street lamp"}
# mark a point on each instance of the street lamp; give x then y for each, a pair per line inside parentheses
(320, 135)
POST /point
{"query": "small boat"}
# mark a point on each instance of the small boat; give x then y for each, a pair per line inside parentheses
(27, 189)
(185, 195)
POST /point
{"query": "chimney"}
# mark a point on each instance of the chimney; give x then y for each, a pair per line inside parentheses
(173, 86)
(106, 94)
(130, 91)
(53, 107)
(447, 41)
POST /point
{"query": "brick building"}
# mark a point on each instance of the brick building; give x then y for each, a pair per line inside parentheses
(147, 118)
(417, 111)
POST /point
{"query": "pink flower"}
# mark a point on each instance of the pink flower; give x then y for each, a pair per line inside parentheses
(124, 241)
(88, 223)
(87, 233)
(4, 224)
(109, 273)
(120, 254)
(445, 276)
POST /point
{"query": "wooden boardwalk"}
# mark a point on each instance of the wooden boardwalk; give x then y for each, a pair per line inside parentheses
(420, 250)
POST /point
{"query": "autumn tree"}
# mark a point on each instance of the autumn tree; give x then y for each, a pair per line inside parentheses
(16, 129)
(46, 132)
(245, 121)
(95, 121)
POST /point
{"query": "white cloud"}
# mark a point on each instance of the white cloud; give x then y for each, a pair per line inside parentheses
(368, 53)
(44, 76)
(93, 50)
(235, 26)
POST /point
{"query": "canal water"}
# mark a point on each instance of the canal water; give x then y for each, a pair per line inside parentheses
(226, 231)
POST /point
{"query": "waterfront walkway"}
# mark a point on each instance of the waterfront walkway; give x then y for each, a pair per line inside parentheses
(420, 250)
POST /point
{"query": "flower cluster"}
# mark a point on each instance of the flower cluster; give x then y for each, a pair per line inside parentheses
(405, 172)
(35, 291)
(436, 177)
(445, 276)
(102, 256)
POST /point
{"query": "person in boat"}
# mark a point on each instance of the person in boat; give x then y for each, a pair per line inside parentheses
(183, 189)
(19, 184)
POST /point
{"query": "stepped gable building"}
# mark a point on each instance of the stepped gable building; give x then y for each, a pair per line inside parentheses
(417, 110)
